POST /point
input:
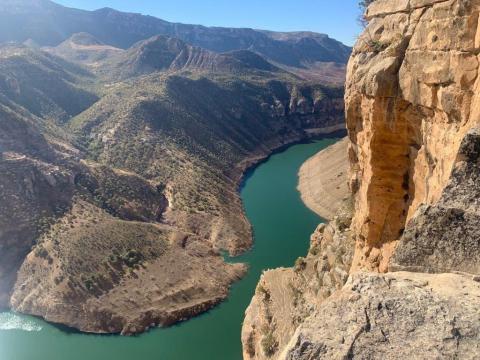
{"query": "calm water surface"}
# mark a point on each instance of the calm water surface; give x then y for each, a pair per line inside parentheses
(282, 227)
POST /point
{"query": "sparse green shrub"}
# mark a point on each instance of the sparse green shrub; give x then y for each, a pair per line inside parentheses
(89, 284)
(264, 292)
(132, 258)
(300, 264)
(251, 345)
(41, 252)
(365, 3)
(297, 294)
(269, 344)
(376, 45)
(314, 250)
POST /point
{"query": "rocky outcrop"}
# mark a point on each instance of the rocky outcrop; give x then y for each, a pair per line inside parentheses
(412, 103)
(85, 49)
(285, 298)
(445, 236)
(394, 316)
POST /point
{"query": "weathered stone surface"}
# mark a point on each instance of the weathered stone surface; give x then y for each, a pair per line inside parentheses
(383, 7)
(394, 316)
(446, 236)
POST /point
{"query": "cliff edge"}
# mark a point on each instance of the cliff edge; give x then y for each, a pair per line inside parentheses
(410, 247)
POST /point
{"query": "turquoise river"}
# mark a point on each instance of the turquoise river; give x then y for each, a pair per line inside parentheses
(282, 226)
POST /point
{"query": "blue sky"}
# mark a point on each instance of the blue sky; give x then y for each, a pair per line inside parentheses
(336, 18)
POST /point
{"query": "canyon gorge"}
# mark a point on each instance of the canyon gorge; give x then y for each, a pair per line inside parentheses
(149, 173)
(123, 145)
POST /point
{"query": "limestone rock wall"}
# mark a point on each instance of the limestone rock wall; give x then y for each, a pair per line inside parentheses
(411, 95)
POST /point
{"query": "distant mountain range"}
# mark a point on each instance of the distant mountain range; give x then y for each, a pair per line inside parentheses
(46, 23)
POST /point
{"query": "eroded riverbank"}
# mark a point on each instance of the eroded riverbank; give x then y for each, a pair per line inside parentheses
(323, 180)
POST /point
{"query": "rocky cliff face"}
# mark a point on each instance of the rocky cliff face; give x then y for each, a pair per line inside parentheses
(412, 115)
(412, 94)
(393, 316)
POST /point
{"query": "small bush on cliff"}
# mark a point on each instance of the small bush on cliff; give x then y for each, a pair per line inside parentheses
(372, 44)
(89, 284)
(264, 292)
(41, 252)
(300, 264)
(132, 258)
(314, 250)
(269, 344)
(365, 3)
(297, 296)
(377, 46)
(251, 345)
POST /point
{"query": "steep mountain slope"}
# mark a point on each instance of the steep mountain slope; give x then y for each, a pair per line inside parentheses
(84, 235)
(127, 188)
(45, 85)
(179, 124)
(162, 53)
(412, 116)
(21, 209)
(49, 24)
(302, 48)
